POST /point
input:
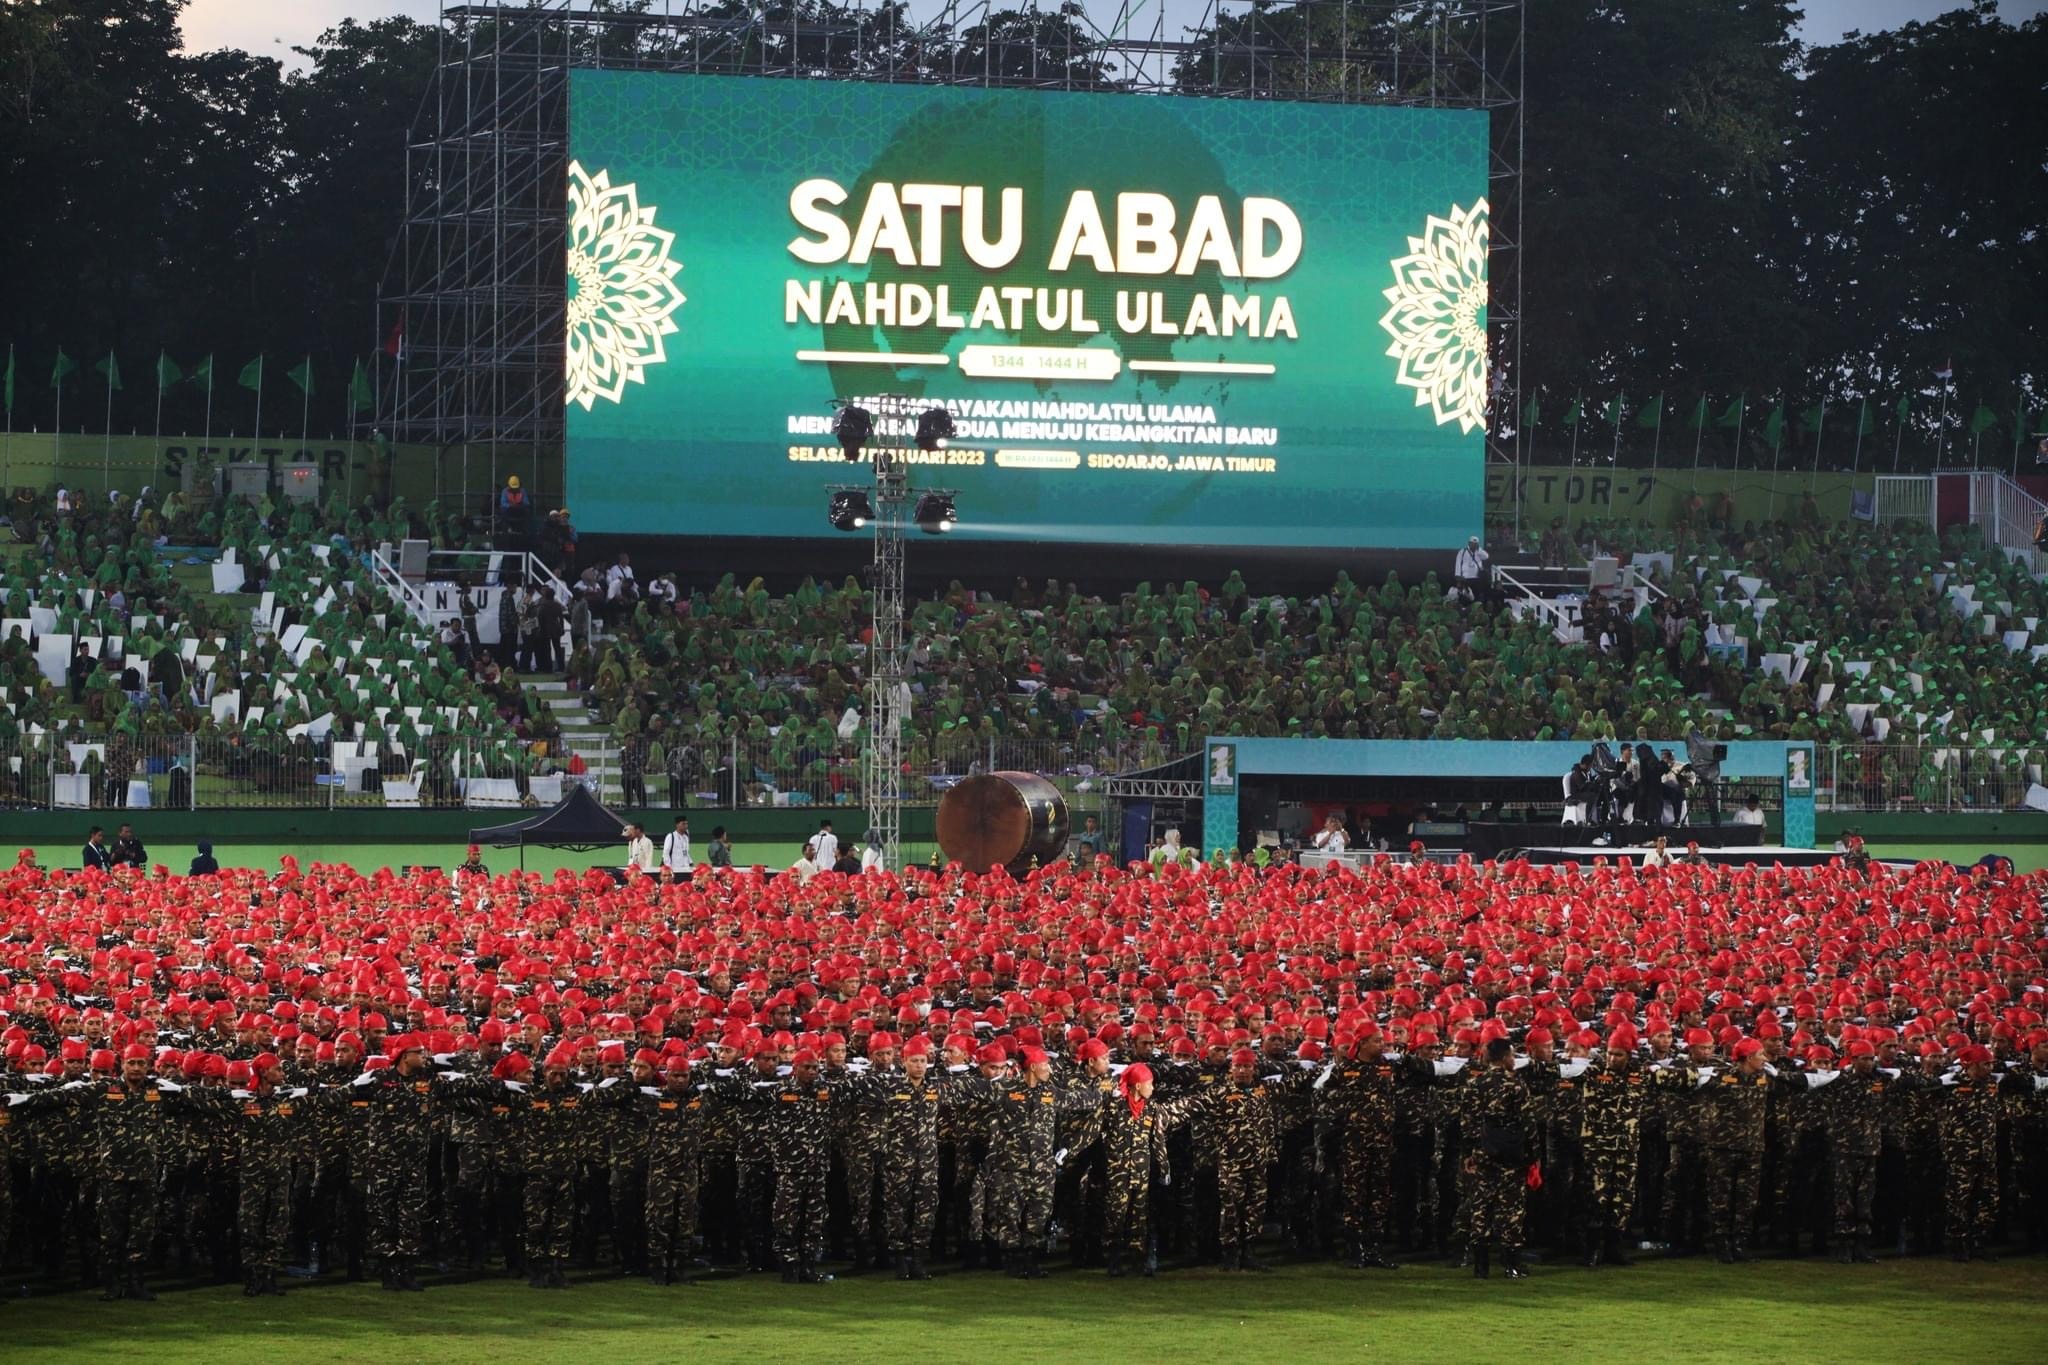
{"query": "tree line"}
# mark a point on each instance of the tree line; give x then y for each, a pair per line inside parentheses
(1711, 207)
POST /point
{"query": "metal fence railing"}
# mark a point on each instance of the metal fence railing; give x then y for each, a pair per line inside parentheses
(227, 772)
(1927, 777)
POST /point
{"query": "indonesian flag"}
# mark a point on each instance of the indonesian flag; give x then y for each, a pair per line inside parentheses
(1947, 370)
(394, 344)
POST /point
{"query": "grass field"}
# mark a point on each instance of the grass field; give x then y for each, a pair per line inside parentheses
(1804, 1311)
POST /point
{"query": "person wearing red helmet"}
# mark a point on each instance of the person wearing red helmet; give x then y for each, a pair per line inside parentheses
(1616, 1097)
(1737, 1103)
(1134, 1139)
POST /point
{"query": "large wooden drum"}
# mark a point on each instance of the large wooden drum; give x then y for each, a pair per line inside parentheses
(1003, 820)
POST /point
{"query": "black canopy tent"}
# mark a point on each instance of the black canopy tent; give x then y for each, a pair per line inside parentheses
(578, 822)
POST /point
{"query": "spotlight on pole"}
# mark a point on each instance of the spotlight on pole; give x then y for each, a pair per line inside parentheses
(934, 515)
(934, 428)
(853, 426)
(850, 510)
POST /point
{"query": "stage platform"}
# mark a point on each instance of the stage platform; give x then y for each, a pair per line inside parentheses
(1763, 855)
(1484, 839)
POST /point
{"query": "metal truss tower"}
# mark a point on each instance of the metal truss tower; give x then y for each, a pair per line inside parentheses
(477, 281)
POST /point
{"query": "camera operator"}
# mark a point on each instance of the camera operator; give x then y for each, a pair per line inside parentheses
(1577, 792)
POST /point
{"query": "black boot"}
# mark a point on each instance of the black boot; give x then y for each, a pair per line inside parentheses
(1725, 1254)
(538, 1279)
(1738, 1252)
(111, 1290)
(1376, 1259)
(408, 1279)
(917, 1270)
(271, 1286)
(1511, 1263)
(1862, 1252)
(1151, 1267)
(137, 1290)
(1617, 1249)
(1231, 1259)
(789, 1274)
(252, 1285)
(1591, 1260)
(390, 1276)
(1032, 1269)
(970, 1256)
(859, 1264)
(1247, 1261)
(1480, 1268)
(1113, 1261)
(902, 1267)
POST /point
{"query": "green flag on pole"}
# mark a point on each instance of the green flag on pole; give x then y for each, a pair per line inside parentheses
(167, 371)
(1531, 411)
(202, 373)
(1810, 421)
(1731, 417)
(1865, 423)
(1652, 414)
(62, 370)
(1612, 412)
(111, 368)
(360, 397)
(302, 375)
(1774, 426)
(252, 374)
(1575, 412)
(1982, 420)
(1905, 408)
(1699, 414)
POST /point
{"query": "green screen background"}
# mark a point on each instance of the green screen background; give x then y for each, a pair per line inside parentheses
(701, 448)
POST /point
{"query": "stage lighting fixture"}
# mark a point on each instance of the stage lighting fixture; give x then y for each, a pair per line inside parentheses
(934, 515)
(850, 510)
(853, 426)
(934, 427)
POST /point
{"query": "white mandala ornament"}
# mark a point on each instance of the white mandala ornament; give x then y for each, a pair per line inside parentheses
(1438, 317)
(622, 288)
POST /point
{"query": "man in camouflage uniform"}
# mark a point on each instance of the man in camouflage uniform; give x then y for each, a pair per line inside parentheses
(796, 1125)
(550, 1126)
(1023, 1117)
(1968, 1121)
(1495, 1133)
(1736, 1105)
(1853, 1105)
(1684, 1111)
(126, 1124)
(675, 1118)
(271, 1133)
(1246, 1109)
(1614, 1099)
(1357, 1102)
(906, 1106)
(397, 1109)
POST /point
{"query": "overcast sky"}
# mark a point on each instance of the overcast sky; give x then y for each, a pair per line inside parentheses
(274, 27)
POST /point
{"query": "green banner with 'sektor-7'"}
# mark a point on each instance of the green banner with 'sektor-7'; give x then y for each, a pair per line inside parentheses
(1153, 321)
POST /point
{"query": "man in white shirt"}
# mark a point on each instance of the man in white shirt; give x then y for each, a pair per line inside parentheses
(1470, 570)
(826, 845)
(803, 869)
(1751, 813)
(1659, 855)
(1331, 838)
(871, 856)
(639, 850)
(675, 849)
